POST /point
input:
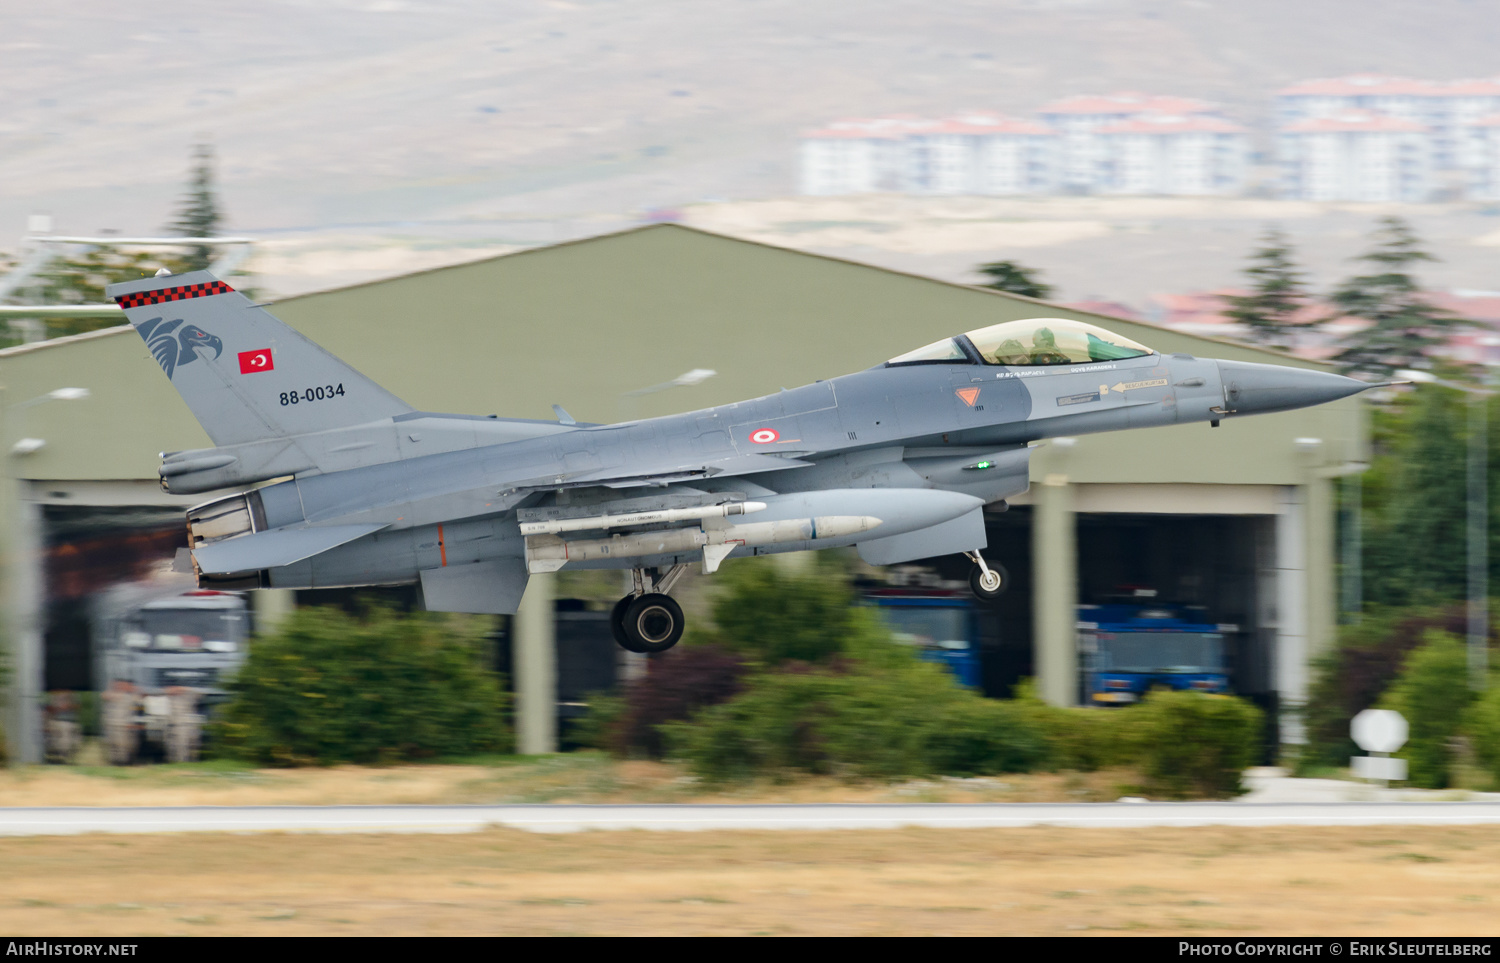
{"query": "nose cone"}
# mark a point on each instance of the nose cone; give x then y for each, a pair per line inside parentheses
(1253, 389)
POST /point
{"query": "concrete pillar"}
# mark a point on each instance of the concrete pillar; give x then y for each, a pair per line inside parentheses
(1322, 549)
(534, 656)
(1054, 566)
(1289, 661)
(271, 606)
(24, 558)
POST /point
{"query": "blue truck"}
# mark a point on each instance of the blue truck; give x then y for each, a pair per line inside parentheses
(941, 625)
(1128, 649)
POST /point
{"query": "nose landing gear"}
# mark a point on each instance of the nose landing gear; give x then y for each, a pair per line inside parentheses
(987, 582)
(648, 621)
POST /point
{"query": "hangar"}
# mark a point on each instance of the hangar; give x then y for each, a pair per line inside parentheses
(1238, 519)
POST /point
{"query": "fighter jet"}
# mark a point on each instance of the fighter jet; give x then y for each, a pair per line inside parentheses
(898, 461)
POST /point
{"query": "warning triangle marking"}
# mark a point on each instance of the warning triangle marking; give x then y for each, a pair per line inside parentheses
(969, 395)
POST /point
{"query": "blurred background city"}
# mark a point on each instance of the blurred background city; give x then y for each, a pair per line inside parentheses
(635, 209)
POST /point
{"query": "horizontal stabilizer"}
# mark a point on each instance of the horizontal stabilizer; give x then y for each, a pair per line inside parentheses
(279, 546)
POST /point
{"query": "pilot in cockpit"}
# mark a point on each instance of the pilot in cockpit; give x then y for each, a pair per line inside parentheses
(1044, 348)
(1012, 351)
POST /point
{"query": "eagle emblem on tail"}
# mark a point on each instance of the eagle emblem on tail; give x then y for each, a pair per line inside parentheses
(173, 343)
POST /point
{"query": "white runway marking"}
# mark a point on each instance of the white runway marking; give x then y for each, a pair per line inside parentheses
(576, 818)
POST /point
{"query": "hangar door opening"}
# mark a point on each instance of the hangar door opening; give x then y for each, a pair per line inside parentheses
(1215, 569)
(99, 559)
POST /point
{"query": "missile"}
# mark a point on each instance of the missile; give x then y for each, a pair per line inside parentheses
(624, 520)
(830, 516)
(548, 553)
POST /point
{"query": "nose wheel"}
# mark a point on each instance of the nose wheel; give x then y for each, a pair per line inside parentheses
(987, 582)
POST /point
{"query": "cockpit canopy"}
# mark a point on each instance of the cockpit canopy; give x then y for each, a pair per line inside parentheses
(1033, 341)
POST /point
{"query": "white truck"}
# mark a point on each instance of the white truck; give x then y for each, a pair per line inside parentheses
(161, 667)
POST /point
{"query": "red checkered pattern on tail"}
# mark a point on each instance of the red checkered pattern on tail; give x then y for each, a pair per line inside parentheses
(203, 290)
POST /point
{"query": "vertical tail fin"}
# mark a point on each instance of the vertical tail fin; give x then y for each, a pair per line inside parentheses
(245, 375)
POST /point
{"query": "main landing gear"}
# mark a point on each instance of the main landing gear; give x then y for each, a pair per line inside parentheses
(987, 582)
(648, 619)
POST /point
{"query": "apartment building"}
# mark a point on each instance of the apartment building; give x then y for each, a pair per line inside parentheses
(1445, 108)
(1482, 148)
(1172, 154)
(1079, 120)
(1355, 155)
(986, 154)
(856, 156)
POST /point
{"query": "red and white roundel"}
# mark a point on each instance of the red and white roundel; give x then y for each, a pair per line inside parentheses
(764, 436)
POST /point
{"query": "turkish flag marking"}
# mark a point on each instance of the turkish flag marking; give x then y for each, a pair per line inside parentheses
(253, 361)
(969, 395)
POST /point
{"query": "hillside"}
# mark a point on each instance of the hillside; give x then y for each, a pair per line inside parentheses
(496, 122)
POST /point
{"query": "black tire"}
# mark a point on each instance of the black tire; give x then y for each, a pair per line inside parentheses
(988, 594)
(653, 623)
(617, 623)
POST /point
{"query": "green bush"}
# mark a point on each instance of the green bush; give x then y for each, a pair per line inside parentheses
(676, 685)
(1482, 725)
(770, 617)
(329, 688)
(1432, 693)
(1083, 739)
(1192, 744)
(1363, 663)
(893, 716)
(980, 736)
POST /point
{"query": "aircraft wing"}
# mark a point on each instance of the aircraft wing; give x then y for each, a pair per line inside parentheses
(279, 546)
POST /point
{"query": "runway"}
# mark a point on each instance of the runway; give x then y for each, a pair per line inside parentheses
(686, 818)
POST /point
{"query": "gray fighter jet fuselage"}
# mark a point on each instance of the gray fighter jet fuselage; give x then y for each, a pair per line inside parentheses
(898, 460)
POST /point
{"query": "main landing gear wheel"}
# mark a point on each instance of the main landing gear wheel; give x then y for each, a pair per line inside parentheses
(652, 623)
(617, 624)
(988, 581)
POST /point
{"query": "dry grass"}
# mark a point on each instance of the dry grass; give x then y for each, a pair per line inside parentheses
(572, 777)
(1206, 881)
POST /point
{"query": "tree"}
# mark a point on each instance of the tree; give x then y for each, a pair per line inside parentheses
(81, 276)
(1276, 292)
(1432, 692)
(1403, 326)
(1414, 500)
(1014, 278)
(199, 215)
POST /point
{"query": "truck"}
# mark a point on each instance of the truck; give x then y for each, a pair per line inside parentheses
(161, 665)
(940, 624)
(1127, 649)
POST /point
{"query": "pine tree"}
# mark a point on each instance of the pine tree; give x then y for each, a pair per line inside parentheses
(199, 215)
(1013, 278)
(82, 275)
(1403, 325)
(1276, 292)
